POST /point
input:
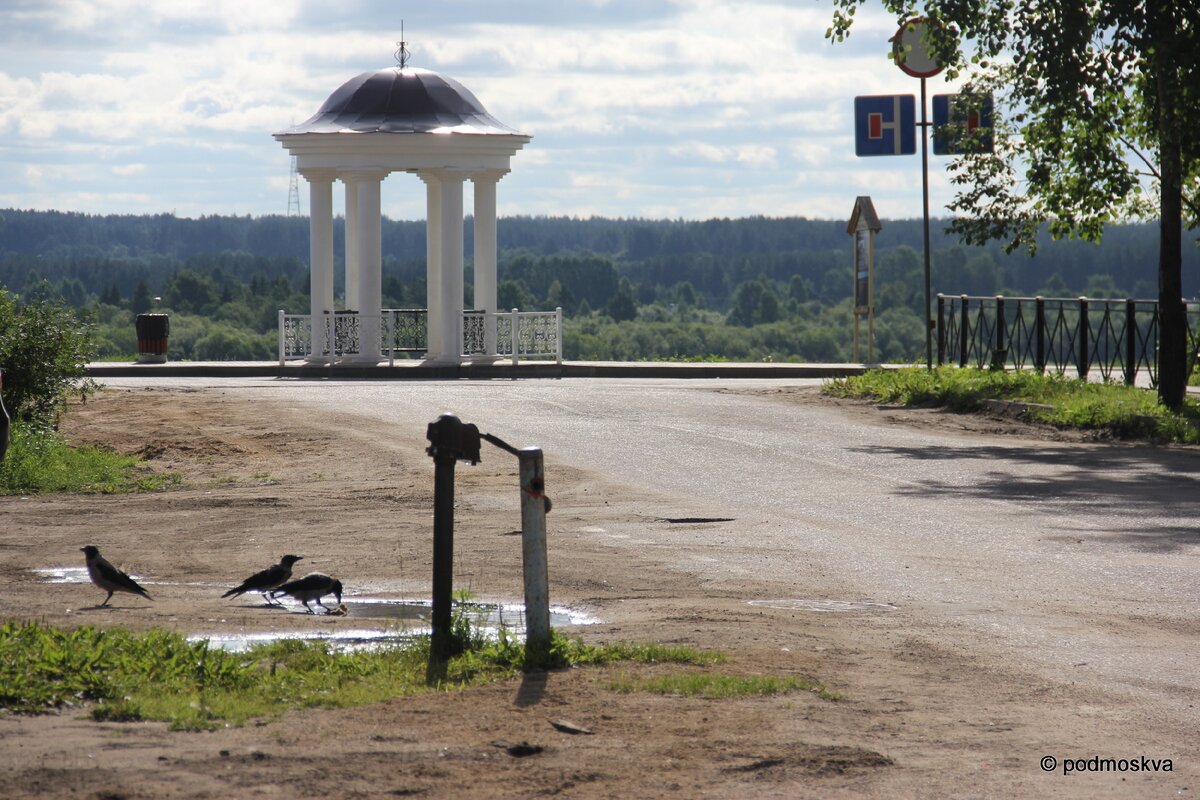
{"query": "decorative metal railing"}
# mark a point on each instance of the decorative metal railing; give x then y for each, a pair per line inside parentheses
(532, 335)
(516, 335)
(1114, 337)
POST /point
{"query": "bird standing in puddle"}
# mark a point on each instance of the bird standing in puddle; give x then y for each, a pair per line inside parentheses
(312, 587)
(270, 578)
(108, 577)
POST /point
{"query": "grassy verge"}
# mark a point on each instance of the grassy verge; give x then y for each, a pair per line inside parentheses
(721, 686)
(159, 675)
(39, 461)
(1119, 410)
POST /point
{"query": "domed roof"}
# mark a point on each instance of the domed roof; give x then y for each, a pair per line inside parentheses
(402, 100)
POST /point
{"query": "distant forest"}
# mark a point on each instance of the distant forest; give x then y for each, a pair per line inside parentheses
(755, 289)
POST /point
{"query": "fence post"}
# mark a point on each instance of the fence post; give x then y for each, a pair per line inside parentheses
(330, 324)
(281, 337)
(1130, 341)
(1000, 350)
(1084, 334)
(558, 335)
(515, 326)
(390, 329)
(1039, 336)
(941, 327)
(964, 333)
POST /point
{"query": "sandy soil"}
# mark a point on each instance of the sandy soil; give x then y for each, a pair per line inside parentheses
(917, 719)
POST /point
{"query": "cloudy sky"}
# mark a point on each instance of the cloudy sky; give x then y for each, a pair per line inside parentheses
(638, 108)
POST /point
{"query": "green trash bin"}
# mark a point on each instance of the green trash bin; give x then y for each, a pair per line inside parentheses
(153, 330)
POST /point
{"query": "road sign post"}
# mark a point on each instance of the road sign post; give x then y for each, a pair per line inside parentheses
(914, 56)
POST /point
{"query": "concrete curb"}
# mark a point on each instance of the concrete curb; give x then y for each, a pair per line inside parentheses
(495, 371)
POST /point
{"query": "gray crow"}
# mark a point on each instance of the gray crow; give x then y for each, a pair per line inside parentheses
(108, 577)
(270, 578)
(312, 586)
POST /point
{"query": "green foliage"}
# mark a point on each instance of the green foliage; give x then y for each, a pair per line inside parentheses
(39, 461)
(720, 687)
(43, 350)
(748, 289)
(1096, 108)
(1116, 409)
(159, 675)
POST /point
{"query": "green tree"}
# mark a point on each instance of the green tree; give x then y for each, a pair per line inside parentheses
(186, 291)
(43, 349)
(622, 307)
(754, 303)
(1096, 110)
(141, 301)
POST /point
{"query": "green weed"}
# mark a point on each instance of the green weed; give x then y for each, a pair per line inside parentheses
(159, 675)
(40, 461)
(720, 687)
(1116, 409)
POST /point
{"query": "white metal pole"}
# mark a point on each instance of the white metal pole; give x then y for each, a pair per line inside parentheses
(514, 325)
(533, 550)
(281, 337)
(558, 334)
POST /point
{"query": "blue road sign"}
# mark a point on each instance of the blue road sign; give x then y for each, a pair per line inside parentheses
(885, 125)
(962, 123)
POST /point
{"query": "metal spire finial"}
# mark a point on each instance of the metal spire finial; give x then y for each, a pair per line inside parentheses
(402, 53)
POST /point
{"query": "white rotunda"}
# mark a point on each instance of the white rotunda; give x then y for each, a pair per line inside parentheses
(401, 119)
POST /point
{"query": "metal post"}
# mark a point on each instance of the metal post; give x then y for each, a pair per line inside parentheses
(999, 352)
(1039, 316)
(533, 551)
(514, 326)
(1084, 334)
(941, 328)
(391, 338)
(443, 557)
(558, 335)
(964, 333)
(1130, 342)
(925, 206)
(281, 338)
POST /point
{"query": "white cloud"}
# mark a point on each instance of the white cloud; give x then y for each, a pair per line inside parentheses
(693, 108)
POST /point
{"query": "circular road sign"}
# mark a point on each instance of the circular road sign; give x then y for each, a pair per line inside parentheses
(912, 51)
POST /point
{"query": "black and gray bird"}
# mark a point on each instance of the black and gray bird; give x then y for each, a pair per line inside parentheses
(270, 578)
(312, 586)
(108, 577)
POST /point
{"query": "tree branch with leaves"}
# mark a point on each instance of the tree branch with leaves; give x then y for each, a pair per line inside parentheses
(1097, 109)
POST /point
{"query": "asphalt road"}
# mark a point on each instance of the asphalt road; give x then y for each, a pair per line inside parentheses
(1079, 560)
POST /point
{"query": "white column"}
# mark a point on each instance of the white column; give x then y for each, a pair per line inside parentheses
(485, 251)
(320, 253)
(451, 299)
(433, 264)
(352, 269)
(370, 260)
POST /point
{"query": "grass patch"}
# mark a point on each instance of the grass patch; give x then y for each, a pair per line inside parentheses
(159, 675)
(39, 461)
(1116, 409)
(721, 687)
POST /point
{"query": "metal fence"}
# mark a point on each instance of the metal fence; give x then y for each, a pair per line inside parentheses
(1056, 334)
(516, 335)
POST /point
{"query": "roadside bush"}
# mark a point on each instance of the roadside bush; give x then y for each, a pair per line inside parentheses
(44, 348)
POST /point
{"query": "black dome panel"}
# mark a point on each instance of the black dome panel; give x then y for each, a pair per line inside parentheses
(402, 101)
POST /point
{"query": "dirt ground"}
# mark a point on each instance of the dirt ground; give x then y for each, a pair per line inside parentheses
(917, 718)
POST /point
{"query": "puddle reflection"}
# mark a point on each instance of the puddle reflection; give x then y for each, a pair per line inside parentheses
(408, 619)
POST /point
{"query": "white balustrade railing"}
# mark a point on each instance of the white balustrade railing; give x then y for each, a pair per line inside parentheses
(516, 335)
